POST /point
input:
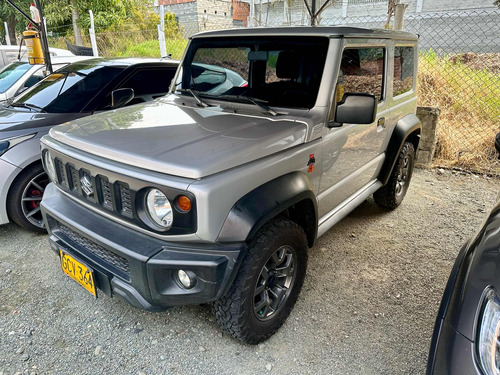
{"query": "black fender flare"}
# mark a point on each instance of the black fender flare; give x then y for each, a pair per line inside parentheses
(408, 128)
(263, 203)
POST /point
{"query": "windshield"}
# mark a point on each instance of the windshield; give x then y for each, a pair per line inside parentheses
(68, 90)
(11, 73)
(279, 71)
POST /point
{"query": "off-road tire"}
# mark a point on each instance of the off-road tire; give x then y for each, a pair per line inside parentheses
(15, 198)
(391, 195)
(236, 311)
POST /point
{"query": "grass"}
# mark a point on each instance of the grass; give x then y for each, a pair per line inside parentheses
(129, 44)
(469, 100)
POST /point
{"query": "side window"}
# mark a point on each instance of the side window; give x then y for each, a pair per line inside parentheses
(403, 70)
(147, 84)
(361, 71)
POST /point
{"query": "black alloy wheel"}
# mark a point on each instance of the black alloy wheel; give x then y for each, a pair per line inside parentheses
(274, 283)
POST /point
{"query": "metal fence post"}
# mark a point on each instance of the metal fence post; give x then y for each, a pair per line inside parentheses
(7, 36)
(93, 41)
(161, 33)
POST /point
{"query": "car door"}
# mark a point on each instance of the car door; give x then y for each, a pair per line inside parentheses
(352, 153)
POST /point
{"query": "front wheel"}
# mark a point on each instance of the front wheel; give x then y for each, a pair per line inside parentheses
(267, 285)
(391, 195)
(25, 195)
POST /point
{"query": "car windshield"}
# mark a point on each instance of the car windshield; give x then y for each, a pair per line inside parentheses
(280, 71)
(11, 73)
(70, 89)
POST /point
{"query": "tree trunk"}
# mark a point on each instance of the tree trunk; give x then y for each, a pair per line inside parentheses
(76, 29)
(11, 26)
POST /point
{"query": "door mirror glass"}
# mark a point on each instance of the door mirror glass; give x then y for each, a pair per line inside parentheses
(121, 97)
(356, 109)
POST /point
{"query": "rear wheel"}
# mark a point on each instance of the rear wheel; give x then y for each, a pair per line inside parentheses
(267, 285)
(391, 195)
(25, 195)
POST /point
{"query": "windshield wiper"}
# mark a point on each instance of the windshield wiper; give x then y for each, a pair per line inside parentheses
(29, 106)
(266, 108)
(199, 101)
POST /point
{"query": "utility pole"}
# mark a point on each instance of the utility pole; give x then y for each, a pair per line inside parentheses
(399, 15)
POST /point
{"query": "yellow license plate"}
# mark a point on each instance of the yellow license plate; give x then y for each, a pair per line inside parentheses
(79, 272)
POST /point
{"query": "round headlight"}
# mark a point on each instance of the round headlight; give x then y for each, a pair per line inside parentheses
(159, 208)
(49, 166)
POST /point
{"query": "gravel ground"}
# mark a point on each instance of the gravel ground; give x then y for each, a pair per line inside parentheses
(368, 304)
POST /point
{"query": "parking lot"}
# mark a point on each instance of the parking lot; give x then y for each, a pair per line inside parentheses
(368, 304)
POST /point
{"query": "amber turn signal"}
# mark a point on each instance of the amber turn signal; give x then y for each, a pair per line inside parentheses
(184, 203)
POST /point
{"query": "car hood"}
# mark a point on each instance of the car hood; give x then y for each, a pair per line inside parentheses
(180, 140)
(13, 120)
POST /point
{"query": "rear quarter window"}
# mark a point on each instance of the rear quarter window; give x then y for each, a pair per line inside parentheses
(404, 65)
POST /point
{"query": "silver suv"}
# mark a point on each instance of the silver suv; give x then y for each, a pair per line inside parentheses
(215, 193)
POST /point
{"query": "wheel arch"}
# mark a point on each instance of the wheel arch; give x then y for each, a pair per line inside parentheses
(21, 172)
(290, 195)
(408, 128)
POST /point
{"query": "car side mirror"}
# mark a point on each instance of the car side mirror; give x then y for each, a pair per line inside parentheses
(121, 97)
(356, 108)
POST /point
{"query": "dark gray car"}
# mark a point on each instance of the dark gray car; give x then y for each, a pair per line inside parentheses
(78, 90)
(466, 337)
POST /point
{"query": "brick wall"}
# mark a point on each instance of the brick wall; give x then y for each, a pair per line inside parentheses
(241, 11)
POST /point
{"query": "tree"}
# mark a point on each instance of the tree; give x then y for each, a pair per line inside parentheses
(15, 21)
(67, 14)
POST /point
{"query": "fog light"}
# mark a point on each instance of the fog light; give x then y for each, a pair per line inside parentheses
(186, 279)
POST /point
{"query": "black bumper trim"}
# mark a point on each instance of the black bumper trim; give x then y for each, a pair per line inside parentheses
(154, 263)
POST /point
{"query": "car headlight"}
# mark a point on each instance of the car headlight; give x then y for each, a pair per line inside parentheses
(159, 208)
(488, 343)
(49, 166)
(7, 144)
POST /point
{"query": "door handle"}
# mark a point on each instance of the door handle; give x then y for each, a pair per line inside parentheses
(381, 122)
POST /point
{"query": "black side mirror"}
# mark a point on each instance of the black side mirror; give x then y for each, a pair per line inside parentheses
(356, 108)
(121, 97)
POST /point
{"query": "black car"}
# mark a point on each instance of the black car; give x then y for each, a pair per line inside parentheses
(77, 90)
(466, 337)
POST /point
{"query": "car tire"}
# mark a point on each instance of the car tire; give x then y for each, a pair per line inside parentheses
(25, 195)
(391, 195)
(267, 284)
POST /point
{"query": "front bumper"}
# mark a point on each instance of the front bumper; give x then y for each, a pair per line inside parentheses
(134, 266)
(450, 351)
(454, 353)
(8, 173)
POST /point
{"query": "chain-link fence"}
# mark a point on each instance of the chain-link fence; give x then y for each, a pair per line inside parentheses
(459, 62)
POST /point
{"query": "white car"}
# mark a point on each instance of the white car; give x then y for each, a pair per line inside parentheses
(20, 75)
(9, 54)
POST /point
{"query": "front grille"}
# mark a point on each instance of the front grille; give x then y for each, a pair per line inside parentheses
(107, 199)
(126, 200)
(61, 172)
(73, 177)
(114, 196)
(99, 251)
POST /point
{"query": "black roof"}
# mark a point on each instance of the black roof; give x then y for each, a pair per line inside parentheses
(328, 31)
